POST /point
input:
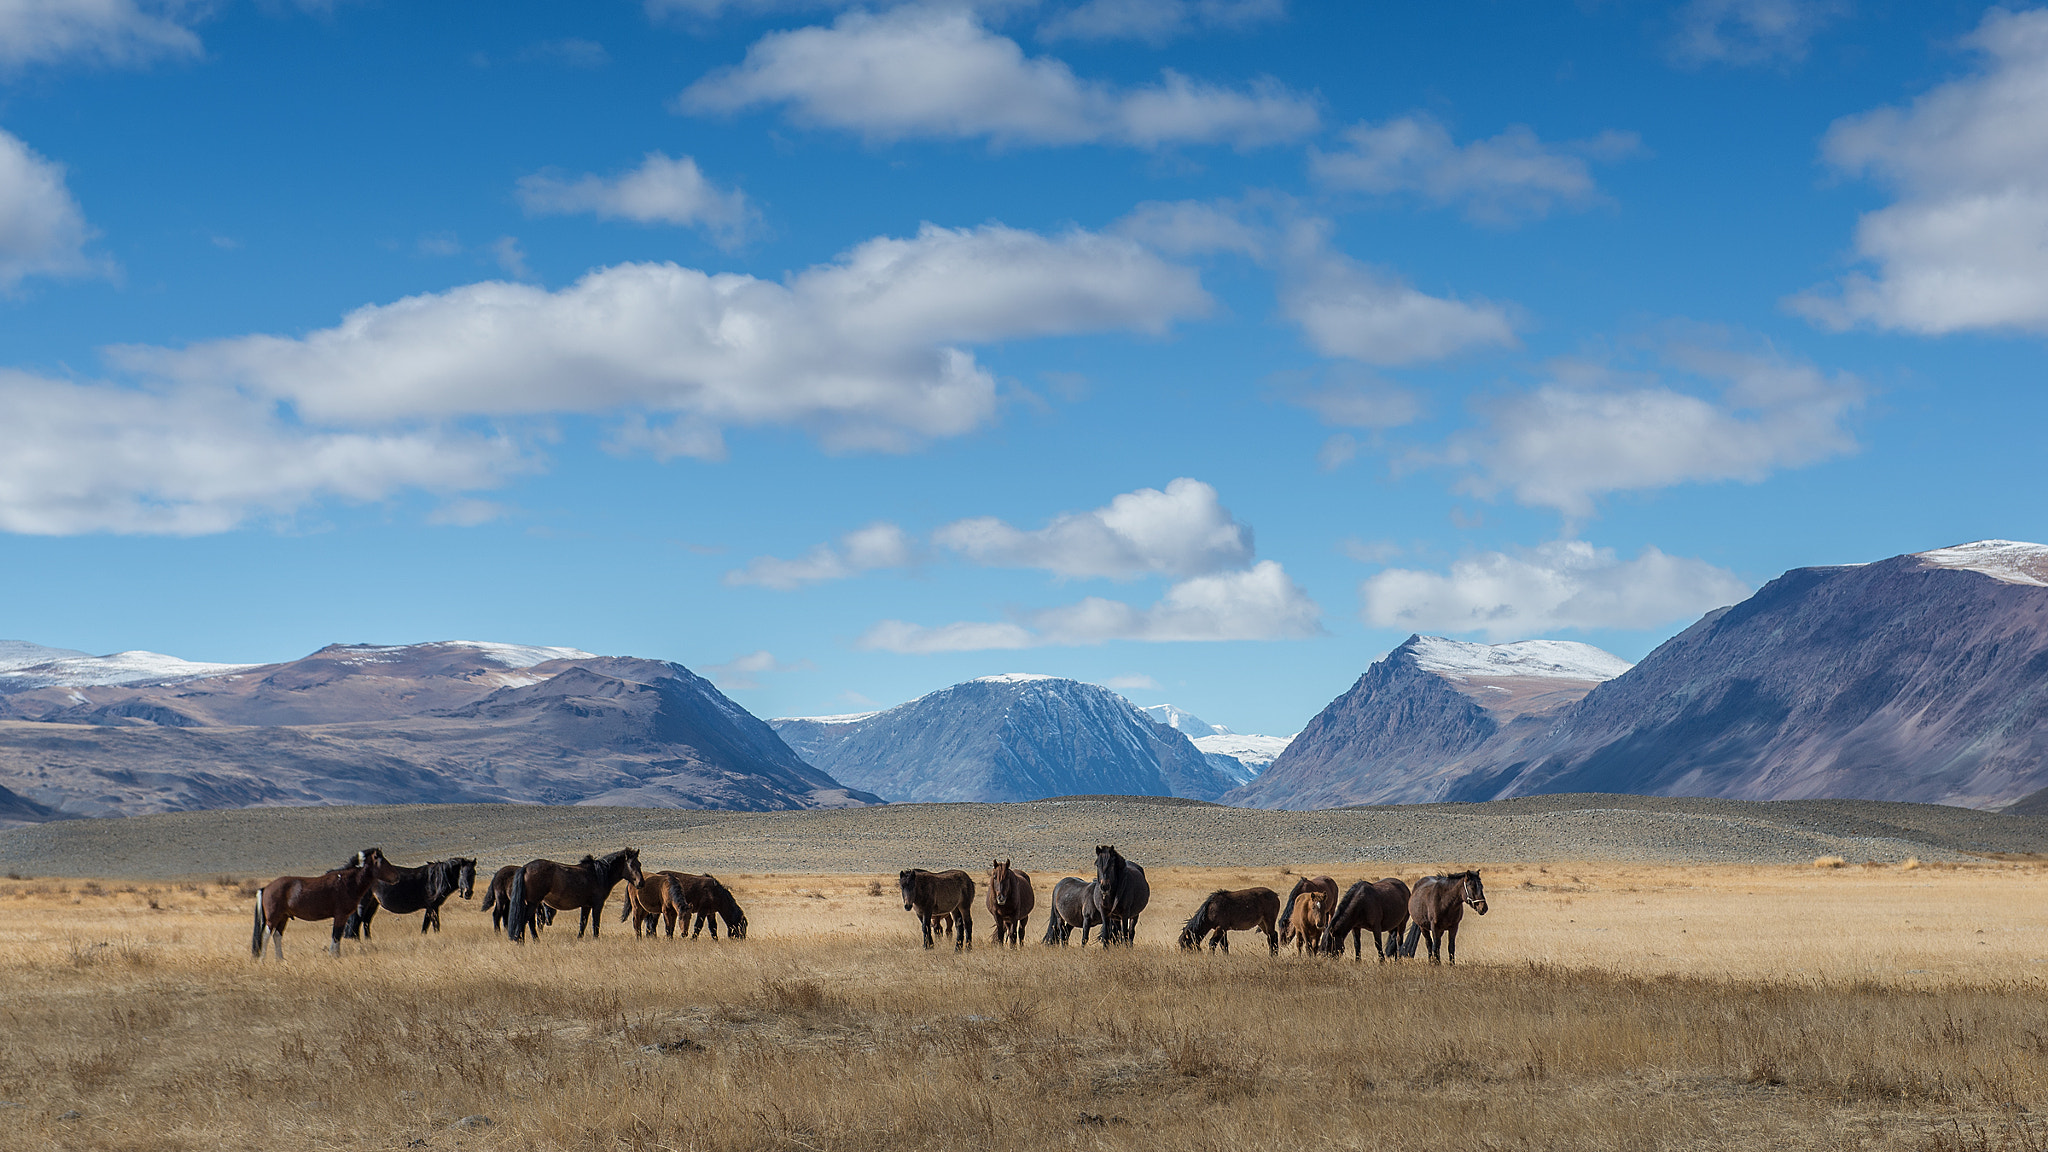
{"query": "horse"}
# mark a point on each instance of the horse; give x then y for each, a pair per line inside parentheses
(1320, 885)
(1225, 912)
(1076, 903)
(583, 886)
(1305, 924)
(419, 889)
(1373, 906)
(931, 893)
(1436, 906)
(329, 896)
(654, 901)
(1010, 900)
(1124, 895)
(709, 901)
(497, 905)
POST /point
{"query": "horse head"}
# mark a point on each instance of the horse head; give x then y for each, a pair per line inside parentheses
(1475, 892)
(999, 883)
(735, 920)
(906, 881)
(465, 875)
(631, 856)
(1109, 871)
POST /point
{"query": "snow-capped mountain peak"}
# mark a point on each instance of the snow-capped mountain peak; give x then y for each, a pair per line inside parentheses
(2013, 561)
(135, 667)
(1188, 723)
(23, 654)
(1545, 659)
(1014, 678)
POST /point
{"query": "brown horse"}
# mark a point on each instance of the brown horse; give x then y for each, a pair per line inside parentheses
(329, 896)
(1010, 900)
(931, 894)
(1322, 886)
(1375, 906)
(654, 901)
(584, 886)
(1225, 912)
(709, 901)
(1305, 924)
(1436, 906)
(497, 905)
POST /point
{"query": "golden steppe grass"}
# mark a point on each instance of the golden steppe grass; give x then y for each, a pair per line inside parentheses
(1598, 1006)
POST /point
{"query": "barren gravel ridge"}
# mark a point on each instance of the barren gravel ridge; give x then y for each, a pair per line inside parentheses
(1057, 836)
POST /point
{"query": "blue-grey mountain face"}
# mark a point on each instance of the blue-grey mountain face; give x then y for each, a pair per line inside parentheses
(1918, 678)
(1005, 738)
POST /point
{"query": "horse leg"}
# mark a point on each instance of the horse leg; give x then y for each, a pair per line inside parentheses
(1453, 943)
(334, 945)
(277, 941)
(596, 916)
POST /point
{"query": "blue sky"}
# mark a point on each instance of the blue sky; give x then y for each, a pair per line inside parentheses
(1204, 348)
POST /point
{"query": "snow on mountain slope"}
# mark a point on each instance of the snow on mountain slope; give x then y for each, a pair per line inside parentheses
(510, 655)
(1254, 751)
(22, 654)
(120, 668)
(1186, 723)
(1545, 659)
(2013, 561)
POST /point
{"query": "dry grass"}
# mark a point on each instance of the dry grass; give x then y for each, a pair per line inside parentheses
(1599, 1006)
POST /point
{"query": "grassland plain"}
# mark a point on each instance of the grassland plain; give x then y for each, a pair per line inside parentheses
(1601, 1005)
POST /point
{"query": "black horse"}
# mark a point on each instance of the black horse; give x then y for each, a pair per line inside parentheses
(1124, 895)
(421, 889)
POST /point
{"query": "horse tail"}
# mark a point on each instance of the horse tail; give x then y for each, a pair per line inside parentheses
(256, 941)
(515, 908)
(1414, 935)
(490, 895)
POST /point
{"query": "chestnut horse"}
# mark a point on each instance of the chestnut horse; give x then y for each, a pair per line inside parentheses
(1322, 886)
(1374, 906)
(1124, 895)
(931, 894)
(1436, 906)
(421, 889)
(1305, 924)
(1225, 912)
(1010, 900)
(330, 896)
(655, 900)
(1076, 903)
(583, 886)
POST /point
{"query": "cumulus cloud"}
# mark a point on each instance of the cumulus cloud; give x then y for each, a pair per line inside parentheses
(659, 191)
(915, 71)
(102, 458)
(1182, 531)
(1500, 180)
(42, 229)
(1749, 31)
(1562, 585)
(1592, 431)
(1959, 249)
(1257, 603)
(111, 32)
(865, 352)
(1155, 21)
(879, 545)
(740, 674)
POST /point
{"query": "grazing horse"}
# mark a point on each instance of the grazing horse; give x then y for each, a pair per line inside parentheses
(931, 894)
(1225, 912)
(1010, 900)
(1076, 903)
(709, 901)
(654, 901)
(1304, 925)
(1321, 885)
(1124, 895)
(1436, 906)
(583, 886)
(496, 903)
(1373, 906)
(419, 889)
(330, 896)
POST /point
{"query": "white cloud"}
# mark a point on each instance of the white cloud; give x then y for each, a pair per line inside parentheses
(1257, 603)
(865, 352)
(42, 230)
(659, 191)
(99, 458)
(1349, 309)
(1592, 432)
(915, 71)
(113, 32)
(879, 545)
(1136, 682)
(740, 673)
(1960, 248)
(1336, 452)
(511, 257)
(1155, 21)
(1355, 399)
(1182, 531)
(1749, 31)
(1500, 180)
(1565, 584)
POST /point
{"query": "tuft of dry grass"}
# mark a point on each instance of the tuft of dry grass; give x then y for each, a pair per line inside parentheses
(1828, 862)
(1635, 1007)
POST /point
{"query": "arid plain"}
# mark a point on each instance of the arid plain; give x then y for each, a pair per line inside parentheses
(1653, 990)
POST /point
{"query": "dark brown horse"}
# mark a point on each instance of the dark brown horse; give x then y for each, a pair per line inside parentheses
(1436, 906)
(329, 896)
(1375, 906)
(709, 902)
(1124, 895)
(583, 886)
(1225, 912)
(1010, 900)
(497, 905)
(931, 893)
(1320, 885)
(421, 889)
(1076, 903)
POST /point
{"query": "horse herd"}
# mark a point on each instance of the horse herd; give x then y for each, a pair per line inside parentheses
(523, 899)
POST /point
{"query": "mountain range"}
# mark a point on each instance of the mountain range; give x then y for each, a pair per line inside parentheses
(1923, 677)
